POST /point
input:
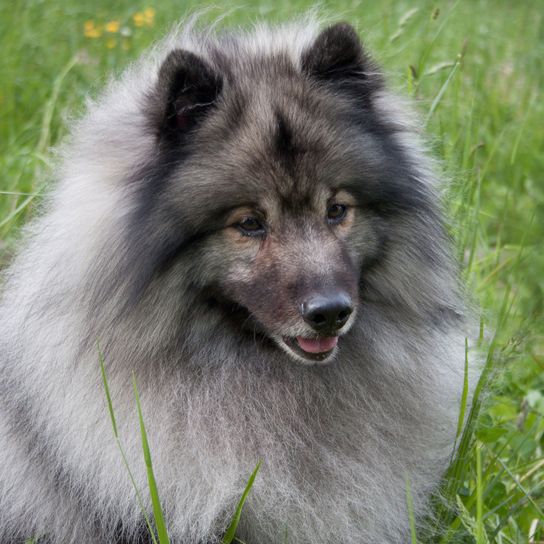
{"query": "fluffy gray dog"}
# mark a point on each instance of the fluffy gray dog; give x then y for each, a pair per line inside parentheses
(248, 222)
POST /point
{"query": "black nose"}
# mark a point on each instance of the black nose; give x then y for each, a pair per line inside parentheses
(327, 313)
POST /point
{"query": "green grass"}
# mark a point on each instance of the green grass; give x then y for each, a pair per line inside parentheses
(152, 485)
(230, 534)
(476, 71)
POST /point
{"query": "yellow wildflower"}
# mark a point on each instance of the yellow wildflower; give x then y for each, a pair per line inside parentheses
(111, 43)
(112, 26)
(90, 30)
(138, 18)
(149, 16)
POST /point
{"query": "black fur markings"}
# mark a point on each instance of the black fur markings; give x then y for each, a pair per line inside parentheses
(187, 88)
(337, 57)
(393, 188)
(284, 142)
(285, 147)
(388, 198)
(336, 53)
(142, 536)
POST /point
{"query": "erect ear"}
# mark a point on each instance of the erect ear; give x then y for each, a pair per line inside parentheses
(337, 56)
(187, 89)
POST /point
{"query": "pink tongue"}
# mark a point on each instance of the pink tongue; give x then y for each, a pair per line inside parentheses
(317, 345)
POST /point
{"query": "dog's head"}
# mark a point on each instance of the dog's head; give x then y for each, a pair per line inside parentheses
(276, 189)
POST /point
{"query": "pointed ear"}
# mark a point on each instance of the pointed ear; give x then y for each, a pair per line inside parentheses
(187, 89)
(337, 56)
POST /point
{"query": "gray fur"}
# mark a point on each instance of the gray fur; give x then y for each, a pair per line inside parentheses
(102, 263)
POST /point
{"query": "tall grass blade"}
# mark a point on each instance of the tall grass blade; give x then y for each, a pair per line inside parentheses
(480, 530)
(430, 46)
(120, 447)
(107, 391)
(51, 103)
(403, 21)
(515, 147)
(231, 531)
(438, 97)
(475, 227)
(464, 396)
(286, 534)
(157, 509)
(411, 516)
(24, 204)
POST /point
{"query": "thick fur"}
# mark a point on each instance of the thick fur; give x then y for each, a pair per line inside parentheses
(131, 252)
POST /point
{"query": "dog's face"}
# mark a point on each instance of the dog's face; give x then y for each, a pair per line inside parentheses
(292, 267)
(280, 187)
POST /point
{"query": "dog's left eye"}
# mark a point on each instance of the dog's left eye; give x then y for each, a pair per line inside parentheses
(336, 213)
(250, 226)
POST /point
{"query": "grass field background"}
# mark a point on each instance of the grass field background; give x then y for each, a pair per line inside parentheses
(476, 70)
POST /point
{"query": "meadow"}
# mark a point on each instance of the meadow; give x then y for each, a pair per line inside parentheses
(476, 72)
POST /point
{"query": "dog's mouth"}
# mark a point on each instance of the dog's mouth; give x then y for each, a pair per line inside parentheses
(305, 349)
(311, 349)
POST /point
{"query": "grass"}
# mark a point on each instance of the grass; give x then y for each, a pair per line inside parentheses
(147, 455)
(476, 71)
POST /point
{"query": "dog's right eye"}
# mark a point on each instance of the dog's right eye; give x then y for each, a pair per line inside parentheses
(336, 213)
(251, 226)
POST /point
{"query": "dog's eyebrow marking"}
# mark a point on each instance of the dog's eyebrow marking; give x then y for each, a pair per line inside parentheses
(226, 211)
(283, 138)
(286, 145)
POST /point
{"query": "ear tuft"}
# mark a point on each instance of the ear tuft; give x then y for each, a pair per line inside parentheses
(187, 88)
(337, 55)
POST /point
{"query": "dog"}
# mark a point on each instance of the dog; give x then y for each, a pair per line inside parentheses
(248, 223)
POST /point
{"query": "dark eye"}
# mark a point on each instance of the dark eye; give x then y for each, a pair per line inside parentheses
(250, 226)
(336, 213)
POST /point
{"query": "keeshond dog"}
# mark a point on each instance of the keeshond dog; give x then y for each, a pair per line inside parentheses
(247, 221)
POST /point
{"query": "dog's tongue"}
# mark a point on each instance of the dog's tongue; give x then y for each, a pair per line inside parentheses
(317, 345)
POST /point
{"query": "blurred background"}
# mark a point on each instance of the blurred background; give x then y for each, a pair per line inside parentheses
(475, 70)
